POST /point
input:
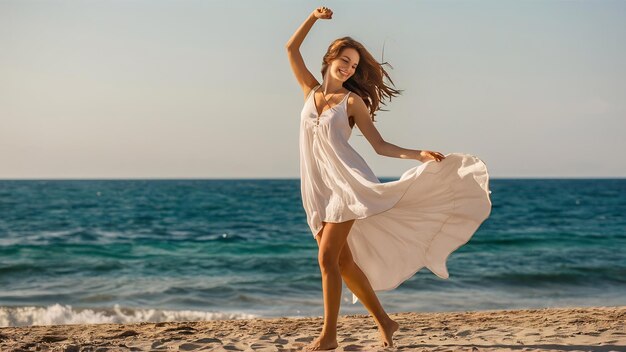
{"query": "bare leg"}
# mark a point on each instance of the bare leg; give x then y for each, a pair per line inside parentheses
(358, 283)
(330, 243)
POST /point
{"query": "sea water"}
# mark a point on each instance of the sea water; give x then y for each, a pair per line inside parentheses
(92, 251)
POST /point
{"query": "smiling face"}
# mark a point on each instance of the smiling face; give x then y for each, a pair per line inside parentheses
(344, 66)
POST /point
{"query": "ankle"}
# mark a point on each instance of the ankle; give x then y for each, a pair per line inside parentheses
(387, 321)
(328, 336)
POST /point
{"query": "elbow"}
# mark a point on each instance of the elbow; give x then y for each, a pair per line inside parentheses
(292, 46)
(379, 147)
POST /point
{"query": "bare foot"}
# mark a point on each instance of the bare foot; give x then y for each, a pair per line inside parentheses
(386, 332)
(321, 344)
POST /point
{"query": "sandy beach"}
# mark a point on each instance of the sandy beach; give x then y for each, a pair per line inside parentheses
(547, 329)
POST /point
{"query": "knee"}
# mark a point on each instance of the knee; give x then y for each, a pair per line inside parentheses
(328, 261)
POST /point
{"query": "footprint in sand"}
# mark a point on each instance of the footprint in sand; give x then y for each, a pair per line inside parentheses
(304, 339)
(208, 340)
(53, 338)
(463, 333)
(257, 346)
(189, 347)
(158, 344)
(72, 348)
(126, 333)
(185, 330)
(349, 339)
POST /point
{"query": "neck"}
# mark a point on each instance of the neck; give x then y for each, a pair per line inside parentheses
(331, 85)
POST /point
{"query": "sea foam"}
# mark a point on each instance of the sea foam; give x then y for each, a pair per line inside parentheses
(58, 314)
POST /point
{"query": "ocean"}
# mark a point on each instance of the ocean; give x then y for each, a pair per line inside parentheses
(120, 251)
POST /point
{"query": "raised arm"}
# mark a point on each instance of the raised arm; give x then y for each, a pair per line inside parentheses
(304, 77)
(363, 120)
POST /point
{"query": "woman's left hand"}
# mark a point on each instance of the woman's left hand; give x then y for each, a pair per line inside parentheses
(428, 155)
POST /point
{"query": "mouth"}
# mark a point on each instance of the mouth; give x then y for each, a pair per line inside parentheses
(344, 73)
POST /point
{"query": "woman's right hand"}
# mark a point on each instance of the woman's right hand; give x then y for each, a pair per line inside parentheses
(323, 13)
(427, 155)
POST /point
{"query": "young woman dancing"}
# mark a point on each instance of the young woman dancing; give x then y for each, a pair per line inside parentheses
(373, 235)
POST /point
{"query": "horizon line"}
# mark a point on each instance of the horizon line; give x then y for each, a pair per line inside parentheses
(294, 178)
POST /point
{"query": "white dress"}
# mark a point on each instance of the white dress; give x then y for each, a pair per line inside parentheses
(403, 225)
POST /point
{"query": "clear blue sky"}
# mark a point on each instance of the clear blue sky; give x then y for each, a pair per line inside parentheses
(203, 89)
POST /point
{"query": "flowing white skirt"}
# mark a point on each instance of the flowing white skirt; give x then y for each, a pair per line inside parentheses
(440, 207)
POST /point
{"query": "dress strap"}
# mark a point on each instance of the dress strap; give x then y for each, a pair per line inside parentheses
(313, 90)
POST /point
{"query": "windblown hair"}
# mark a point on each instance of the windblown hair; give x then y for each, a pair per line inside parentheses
(367, 80)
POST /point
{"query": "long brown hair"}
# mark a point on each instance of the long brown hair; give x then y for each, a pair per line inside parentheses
(367, 80)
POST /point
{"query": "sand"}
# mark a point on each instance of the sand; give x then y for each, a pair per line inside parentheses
(547, 329)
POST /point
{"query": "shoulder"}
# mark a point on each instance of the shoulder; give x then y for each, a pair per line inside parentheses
(356, 103)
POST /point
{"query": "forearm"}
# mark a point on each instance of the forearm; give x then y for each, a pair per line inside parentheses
(298, 37)
(392, 150)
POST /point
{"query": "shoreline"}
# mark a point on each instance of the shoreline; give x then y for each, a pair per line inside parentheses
(541, 329)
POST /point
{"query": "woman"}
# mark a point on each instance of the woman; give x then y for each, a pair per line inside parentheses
(373, 235)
